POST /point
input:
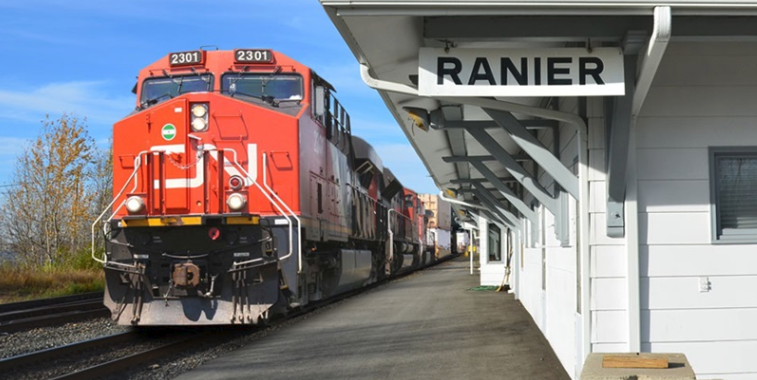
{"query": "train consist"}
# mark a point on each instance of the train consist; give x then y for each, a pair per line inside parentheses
(240, 192)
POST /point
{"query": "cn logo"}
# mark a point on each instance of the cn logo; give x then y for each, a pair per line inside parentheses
(168, 132)
(228, 166)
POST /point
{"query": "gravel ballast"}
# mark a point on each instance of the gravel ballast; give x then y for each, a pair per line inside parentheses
(40, 338)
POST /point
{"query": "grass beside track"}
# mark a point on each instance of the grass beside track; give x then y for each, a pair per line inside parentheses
(21, 284)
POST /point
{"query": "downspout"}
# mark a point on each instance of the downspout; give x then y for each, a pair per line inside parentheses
(583, 177)
(658, 43)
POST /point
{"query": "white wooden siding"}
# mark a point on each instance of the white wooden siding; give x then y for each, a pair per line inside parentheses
(676, 196)
(698, 260)
(554, 308)
(608, 294)
(608, 263)
(682, 293)
(672, 164)
(702, 325)
(609, 347)
(674, 228)
(721, 357)
(694, 132)
(703, 96)
(610, 327)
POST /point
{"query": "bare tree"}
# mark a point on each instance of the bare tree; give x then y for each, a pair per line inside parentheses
(46, 211)
(101, 187)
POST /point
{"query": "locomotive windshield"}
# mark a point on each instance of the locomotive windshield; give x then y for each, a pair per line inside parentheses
(156, 90)
(271, 88)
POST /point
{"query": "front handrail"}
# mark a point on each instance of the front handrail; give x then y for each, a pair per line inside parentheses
(270, 199)
(133, 176)
(299, 224)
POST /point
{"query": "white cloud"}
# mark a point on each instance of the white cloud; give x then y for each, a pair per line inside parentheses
(82, 98)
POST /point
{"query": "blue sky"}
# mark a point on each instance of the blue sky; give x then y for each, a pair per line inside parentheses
(82, 56)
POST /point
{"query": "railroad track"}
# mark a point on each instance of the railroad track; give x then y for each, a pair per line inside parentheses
(111, 354)
(28, 314)
(134, 348)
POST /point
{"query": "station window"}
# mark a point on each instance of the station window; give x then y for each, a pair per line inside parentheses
(495, 243)
(733, 180)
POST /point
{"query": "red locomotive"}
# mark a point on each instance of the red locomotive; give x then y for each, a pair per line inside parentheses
(239, 192)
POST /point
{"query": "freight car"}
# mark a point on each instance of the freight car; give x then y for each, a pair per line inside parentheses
(240, 192)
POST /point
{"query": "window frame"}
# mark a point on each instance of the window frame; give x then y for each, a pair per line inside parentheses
(141, 101)
(263, 74)
(489, 233)
(716, 232)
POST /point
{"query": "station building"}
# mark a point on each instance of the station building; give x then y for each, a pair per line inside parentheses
(603, 152)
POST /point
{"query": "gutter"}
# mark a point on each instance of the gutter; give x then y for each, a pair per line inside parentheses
(426, 8)
(658, 43)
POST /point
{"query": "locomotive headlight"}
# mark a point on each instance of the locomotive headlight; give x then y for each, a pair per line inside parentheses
(199, 110)
(236, 201)
(199, 117)
(199, 125)
(135, 204)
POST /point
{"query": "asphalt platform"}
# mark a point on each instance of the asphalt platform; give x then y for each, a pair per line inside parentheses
(429, 325)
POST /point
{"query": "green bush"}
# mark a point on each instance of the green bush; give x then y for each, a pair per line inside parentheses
(21, 283)
(83, 260)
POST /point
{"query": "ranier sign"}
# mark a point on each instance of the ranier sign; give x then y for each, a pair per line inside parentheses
(521, 72)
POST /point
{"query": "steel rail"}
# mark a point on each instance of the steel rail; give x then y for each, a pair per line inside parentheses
(100, 370)
(24, 315)
(51, 319)
(69, 349)
(23, 305)
(42, 310)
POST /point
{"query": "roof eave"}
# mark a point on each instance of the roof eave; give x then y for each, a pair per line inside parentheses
(543, 7)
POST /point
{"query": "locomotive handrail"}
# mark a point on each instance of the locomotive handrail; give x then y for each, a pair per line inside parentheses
(299, 224)
(391, 234)
(137, 165)
(389, 228)
(254, 182)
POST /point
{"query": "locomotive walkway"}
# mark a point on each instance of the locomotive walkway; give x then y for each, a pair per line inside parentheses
(425, 326)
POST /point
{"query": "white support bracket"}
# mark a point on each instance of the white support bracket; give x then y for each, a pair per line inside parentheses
(510, 219)
(515, 169)
(509, 195)
(546, 159)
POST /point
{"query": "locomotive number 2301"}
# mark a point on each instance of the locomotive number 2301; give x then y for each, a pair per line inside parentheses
(186, 58)
(253, 55)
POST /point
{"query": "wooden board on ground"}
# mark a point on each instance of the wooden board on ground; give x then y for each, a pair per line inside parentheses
(633, 361)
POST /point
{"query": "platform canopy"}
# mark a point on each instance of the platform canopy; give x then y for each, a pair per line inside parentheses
(469, 82)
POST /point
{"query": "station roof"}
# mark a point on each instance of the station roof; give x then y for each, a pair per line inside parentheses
(386, 36)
